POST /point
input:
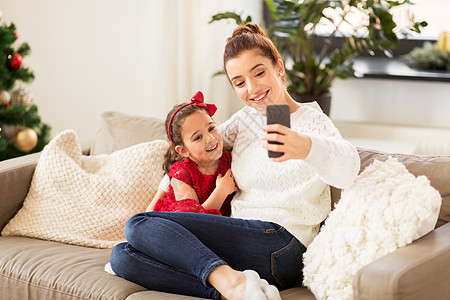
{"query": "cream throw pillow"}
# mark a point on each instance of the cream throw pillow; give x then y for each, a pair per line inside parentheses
(120, 130)
(386, 208)
(86, 200)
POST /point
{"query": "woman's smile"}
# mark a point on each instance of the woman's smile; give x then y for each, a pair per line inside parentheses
(260, 98)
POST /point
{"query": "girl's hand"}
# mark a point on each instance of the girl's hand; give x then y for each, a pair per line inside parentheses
(294, 145)
(226, 183)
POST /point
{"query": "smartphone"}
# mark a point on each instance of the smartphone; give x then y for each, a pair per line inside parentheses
(278, 114)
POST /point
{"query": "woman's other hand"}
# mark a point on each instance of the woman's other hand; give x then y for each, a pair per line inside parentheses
(294, 145)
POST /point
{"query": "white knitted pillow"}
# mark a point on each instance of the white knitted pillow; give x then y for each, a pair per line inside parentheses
(386, 208)
(86, 200)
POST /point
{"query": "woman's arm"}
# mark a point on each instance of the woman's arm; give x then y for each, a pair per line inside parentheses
(335, 159)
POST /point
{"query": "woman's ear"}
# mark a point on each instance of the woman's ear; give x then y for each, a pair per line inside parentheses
(280, 66)
(182, 151)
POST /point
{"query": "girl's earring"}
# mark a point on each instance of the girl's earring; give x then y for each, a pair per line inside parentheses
(281, 73)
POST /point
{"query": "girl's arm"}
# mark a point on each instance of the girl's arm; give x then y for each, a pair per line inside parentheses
(159, 195)
(183, 190)
(225, 185)
(163, 188)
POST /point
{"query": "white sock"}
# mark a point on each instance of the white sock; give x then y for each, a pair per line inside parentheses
(270, 291)
(263, 283)
(108, 269)
(253, 290)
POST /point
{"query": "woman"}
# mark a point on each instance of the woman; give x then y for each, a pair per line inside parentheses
(279, 205)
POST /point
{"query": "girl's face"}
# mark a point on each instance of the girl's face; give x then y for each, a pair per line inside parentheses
(256, 80)
(202, 141)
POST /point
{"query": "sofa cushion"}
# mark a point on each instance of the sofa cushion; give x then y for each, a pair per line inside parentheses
(37, 269)
(15, 179)
(435, 167)
(120, 131)
(386, 208)
(86, 200)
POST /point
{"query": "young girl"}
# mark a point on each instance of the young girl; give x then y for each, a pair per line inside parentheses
(199, 170)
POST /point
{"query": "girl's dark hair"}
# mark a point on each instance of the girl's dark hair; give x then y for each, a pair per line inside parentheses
(250, 36)
(171, 155)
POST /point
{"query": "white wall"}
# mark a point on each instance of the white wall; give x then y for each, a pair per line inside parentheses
(396, 102)
(393, 115)
(138, 56)
(92, 56)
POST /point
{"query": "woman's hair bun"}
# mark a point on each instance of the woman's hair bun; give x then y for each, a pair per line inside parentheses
(249, 27)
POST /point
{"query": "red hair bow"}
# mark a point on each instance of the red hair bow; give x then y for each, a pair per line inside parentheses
(196, 100)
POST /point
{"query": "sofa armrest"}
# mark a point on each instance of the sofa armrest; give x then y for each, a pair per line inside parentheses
(419, 270)
(15, 179)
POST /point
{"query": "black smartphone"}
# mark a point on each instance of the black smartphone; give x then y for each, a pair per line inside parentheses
(278, 114)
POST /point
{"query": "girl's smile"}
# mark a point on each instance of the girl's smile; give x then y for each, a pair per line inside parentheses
(202, 142)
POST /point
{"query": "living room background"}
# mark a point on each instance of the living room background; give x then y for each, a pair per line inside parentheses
(137, 57)
(141, 57)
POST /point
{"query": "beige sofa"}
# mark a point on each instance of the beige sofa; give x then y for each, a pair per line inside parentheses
(38, 269)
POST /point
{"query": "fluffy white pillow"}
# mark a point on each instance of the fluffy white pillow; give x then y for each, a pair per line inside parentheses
(86, 200)
(386, 208)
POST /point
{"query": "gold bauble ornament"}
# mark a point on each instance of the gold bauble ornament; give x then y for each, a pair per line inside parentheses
(25, 140)
(22, 96)
(5, 97)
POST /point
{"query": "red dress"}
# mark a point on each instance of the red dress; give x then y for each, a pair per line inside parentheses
(203, 184)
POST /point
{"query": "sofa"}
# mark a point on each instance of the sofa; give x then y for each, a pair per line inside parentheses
(41, 269)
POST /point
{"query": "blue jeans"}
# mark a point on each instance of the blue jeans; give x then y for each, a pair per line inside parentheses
(175, 252)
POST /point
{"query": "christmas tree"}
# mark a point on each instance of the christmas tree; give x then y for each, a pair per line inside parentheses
(21, 129)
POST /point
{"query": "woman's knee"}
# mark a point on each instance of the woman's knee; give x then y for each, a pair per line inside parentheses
(118, 258)
(139, 226)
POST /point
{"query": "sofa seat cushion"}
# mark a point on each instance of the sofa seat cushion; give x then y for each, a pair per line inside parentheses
(37, 269)
(295, 293)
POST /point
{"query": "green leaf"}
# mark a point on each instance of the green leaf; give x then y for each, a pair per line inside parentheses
(218, 73)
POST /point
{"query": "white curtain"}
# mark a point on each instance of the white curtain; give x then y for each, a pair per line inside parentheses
(200, 46)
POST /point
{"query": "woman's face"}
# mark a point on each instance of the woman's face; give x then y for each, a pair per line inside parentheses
(256, 80)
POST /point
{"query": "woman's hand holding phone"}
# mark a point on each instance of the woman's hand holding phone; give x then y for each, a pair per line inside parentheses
(282, 142)
(294, 145)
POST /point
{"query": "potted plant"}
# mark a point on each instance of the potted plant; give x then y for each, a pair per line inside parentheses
(319, 38)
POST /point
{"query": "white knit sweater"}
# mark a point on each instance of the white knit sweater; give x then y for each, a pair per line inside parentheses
(293, 193)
